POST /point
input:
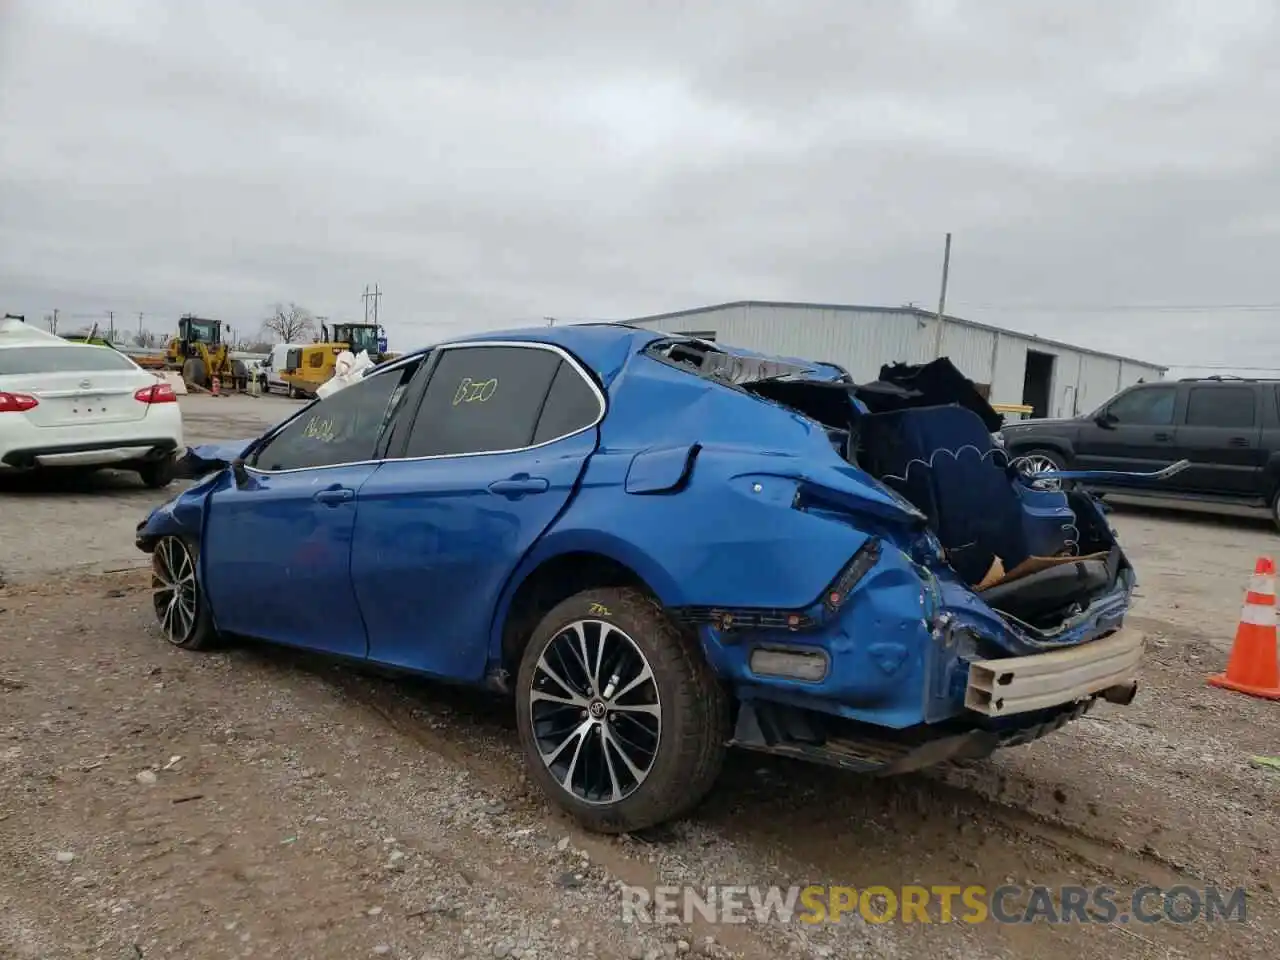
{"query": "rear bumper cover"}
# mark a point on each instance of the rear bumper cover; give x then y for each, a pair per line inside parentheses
(1014, 685)
(117, 450)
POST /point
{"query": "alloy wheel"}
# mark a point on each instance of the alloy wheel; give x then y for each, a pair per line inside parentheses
(596, 713)
(174, 592)
(1040, 464)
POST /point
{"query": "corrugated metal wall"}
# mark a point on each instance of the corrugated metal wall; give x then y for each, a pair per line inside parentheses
(861, 341)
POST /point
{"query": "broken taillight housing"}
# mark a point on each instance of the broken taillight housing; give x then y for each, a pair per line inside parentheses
(863, 560)
(17, 402)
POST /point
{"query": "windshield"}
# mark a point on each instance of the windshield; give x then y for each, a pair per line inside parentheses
(360, 338)
(24, 360)
(202, 330)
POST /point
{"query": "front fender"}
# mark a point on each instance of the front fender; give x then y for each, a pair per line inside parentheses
(183, 516)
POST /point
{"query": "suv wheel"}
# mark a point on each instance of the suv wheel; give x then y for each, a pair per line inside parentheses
(1041, 461)
(179, 603)
(1275, 509)
(622, 721)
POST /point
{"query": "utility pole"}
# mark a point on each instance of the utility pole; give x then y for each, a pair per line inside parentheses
(53, 321)
(371, 303)
(942, 299)
(111, 326)
(141, 338)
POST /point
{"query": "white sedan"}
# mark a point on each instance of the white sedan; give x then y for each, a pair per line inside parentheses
(74, 405)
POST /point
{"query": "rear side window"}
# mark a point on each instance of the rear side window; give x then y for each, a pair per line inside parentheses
(68, 359)
(344, 427)
(1145, 407)
(1221, 407)
(482, 399)
(571, 405)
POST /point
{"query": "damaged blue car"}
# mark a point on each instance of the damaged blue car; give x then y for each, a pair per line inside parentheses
(661, 548)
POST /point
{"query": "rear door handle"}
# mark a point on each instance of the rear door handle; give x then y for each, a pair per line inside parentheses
(1163, 436)
(335, 495)
(519, 486)
(1238, 441)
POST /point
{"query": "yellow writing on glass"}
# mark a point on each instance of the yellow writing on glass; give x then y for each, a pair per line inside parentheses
(317, 429)
(475, 391)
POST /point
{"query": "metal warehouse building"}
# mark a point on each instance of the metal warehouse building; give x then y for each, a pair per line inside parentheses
(1054, 379)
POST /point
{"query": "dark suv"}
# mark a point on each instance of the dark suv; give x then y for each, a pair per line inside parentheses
(1228, 428)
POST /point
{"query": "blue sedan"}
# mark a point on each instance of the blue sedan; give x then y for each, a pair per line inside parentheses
(661, 547)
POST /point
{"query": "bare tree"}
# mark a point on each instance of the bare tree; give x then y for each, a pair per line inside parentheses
(144, 339)
(289, 324)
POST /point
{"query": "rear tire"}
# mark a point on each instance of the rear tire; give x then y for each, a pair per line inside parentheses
(177, 599)
(157, 474)
(1275, 510)
(622, 721)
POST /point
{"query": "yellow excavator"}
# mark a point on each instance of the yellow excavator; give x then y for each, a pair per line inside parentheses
(201, 354)
(307, 367)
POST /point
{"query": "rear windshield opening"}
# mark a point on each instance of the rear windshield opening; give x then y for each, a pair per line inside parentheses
(68, 359)
(704, 359)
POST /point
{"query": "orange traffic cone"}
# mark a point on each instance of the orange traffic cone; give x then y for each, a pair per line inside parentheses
(1252, 668)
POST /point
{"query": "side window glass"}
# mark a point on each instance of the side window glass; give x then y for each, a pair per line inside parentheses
(1220, 407)
(571, 405)
(1145, 407)
(482, 399)
(342, 428)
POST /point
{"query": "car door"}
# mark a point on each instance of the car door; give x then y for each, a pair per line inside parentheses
(493, 454)
(277, 544)
(1135, 431)
(1221, 435)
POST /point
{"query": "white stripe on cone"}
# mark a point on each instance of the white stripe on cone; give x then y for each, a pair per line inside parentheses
(1263, 583)
(1258, 615)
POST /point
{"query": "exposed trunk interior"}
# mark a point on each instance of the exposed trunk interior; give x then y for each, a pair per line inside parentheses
(925, 431)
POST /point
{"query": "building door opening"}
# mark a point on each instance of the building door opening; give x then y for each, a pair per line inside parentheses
(1037, 382)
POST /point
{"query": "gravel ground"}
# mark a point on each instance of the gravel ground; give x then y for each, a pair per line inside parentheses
(258, 802)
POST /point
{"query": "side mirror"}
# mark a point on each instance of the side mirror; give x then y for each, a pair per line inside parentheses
(239, 473)
(1105, 420)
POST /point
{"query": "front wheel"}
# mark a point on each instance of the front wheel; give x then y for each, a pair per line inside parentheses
(178, 601)
(1043, 461)
(622, 721)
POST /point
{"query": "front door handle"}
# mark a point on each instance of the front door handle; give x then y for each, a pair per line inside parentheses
(335, 495)
(519, 485)
(1238, 441)
(1163, 436)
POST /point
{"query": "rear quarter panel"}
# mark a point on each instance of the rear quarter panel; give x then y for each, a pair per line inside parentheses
(717, 540)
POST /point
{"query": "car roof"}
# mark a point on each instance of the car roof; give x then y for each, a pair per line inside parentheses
(16, 333)
(603, 347)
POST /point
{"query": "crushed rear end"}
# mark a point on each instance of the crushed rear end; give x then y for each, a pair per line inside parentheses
(983, 607)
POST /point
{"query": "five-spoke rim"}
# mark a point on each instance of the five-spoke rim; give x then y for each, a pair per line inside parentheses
(174, 591)
(595, 711)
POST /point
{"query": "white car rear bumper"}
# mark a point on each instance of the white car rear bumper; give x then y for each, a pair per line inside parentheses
(24, 446)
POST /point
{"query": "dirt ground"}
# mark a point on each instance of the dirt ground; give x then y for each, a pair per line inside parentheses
(257, 802)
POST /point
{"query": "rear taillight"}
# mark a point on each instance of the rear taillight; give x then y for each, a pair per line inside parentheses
(160, 393)
(17, 402)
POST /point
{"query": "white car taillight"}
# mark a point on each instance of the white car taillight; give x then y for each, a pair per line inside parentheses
(17, 402)
(160, 393)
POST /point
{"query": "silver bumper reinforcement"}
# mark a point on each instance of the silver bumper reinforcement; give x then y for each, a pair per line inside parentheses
(997, 688)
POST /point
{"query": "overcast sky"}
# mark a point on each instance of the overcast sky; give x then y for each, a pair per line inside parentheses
(503, 160)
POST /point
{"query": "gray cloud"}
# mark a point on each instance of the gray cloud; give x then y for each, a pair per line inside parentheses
(506, 160)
